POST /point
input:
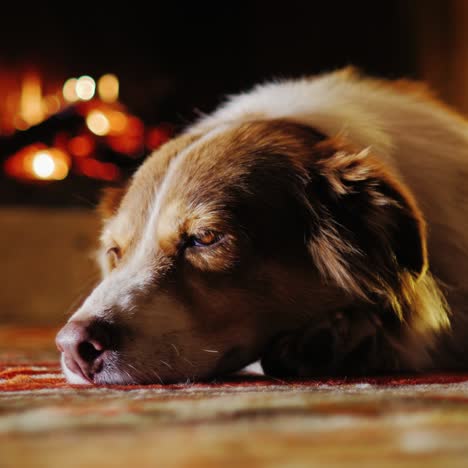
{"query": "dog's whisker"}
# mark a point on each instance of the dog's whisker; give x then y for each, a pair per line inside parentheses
(210, 350)
(166, 364)
(158, 376)
(187, 360)
(139, 375)
(175, 349)
(134, 368)
(128, 375)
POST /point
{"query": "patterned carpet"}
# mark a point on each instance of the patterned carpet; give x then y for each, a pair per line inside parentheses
(247, 420)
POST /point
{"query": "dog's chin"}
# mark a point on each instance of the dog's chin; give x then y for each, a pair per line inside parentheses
(117, 372)
(116, 377)
(109, 378)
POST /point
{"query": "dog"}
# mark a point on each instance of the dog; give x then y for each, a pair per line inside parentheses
(319, 225)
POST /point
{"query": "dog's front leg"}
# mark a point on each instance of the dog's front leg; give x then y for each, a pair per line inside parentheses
(350, 343)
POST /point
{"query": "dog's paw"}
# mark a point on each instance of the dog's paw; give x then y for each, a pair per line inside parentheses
(336, 350)
(300, 354)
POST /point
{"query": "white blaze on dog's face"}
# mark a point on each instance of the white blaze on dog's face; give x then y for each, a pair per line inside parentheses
(218, 245)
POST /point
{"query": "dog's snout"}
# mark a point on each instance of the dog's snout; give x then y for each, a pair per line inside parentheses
(84, 345)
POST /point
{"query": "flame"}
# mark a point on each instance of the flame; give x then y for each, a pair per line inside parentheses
(31, 108)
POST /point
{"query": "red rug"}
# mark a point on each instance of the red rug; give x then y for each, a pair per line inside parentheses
(245, 420)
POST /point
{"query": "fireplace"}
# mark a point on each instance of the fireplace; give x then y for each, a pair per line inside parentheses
(75, 134)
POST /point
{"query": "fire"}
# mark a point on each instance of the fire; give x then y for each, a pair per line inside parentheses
(31, 108)
(95, 101)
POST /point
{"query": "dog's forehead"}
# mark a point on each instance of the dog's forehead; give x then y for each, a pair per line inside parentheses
(138, 200)
(223, 157)
(194, 173)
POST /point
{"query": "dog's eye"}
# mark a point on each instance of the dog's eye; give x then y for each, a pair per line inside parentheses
(114, 255)
(204, 239)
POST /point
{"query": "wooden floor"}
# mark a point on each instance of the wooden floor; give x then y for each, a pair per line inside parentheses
(244, 421)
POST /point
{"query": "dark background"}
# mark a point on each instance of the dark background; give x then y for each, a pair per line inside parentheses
(179, 59)
(175, 58)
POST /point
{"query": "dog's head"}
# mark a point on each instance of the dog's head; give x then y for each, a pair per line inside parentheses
(223, 240)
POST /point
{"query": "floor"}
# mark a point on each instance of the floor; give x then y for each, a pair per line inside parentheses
(246, 420)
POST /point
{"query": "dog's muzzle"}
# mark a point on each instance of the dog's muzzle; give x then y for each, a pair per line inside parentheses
(85, 347)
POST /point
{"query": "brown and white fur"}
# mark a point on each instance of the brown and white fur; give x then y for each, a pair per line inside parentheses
(318, 224)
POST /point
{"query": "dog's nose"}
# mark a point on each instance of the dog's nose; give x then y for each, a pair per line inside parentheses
(83, 345)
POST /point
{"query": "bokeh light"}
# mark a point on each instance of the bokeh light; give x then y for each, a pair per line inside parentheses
(43, 164)
(85, 88)
(95, 169)
(81, 146)
(69, 90)
(108, 88)
(98, 123)
(38, 162)
(117, 121)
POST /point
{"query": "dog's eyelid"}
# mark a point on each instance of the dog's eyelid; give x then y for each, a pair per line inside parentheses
(205, 238)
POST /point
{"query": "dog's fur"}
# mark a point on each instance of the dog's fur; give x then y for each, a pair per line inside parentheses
(335, 210)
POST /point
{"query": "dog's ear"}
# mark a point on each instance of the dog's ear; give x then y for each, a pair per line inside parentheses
(110, 200)
(366, 227)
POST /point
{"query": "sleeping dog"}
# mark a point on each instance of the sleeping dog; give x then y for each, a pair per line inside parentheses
(319, 225)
